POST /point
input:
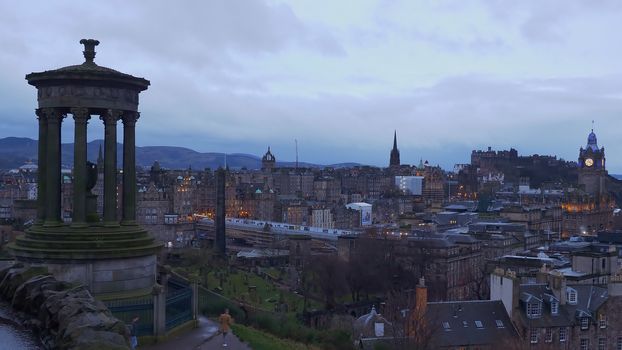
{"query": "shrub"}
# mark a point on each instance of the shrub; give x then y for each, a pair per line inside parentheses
(215, 307)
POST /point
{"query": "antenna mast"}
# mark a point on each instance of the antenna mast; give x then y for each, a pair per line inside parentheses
(296, 141)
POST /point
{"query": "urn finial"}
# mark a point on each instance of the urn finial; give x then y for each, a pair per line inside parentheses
(89, 49)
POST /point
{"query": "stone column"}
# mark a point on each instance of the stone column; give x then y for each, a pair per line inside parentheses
(110, 118)
(81, 117)
(41, 166)
(129, 168)
(159, 311)
(194, 284)
(53, 187)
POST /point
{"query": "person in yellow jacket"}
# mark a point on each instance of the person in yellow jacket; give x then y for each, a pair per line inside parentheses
(225, 321)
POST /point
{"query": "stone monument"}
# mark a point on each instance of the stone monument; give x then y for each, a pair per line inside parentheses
(112, 255)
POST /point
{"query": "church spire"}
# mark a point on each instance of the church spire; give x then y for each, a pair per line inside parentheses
(394, 139)
(394, 160)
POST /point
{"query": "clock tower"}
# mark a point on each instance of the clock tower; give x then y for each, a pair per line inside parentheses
(592, 172)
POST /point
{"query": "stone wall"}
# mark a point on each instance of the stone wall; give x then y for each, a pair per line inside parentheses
(64, 316)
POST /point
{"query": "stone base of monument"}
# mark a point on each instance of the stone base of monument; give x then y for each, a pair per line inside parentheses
(64, 316)
(108, 260)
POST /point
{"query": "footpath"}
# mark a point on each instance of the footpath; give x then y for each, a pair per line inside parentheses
(204, 337)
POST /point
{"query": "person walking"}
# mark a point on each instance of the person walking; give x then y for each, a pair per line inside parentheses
(225, 324)
(133, 332)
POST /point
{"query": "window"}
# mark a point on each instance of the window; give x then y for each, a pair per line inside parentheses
(602, 343)
(562, 334)
(533, 335)
(619, 344)
(499, 324)
(585, 323)
(379, 329)
(534, 310)
(479, 324)
(446, 326)
(572, 296)
(602, 321)
(554, 308)
(549, 335)
(584, 344)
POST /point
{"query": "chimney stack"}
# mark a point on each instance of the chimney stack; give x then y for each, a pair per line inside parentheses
(421, 297)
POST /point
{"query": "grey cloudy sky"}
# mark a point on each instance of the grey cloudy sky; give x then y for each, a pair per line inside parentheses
(338, 76)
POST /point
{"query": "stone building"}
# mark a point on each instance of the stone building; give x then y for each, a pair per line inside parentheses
(592, 170)
(449, 263)
(185, 194)
(153, 204)
(327, 189)
(540, 219)
(268, 161)
(501, 238)
(296, 213)
(554, 314)
(589, 208)
(433, 187)
(322, 217)
(584, 214)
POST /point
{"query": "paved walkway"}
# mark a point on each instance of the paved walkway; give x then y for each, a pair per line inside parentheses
(233, 343)
(204, 337)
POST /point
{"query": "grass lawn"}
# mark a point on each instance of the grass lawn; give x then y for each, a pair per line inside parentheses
(259, 340)
(266, 295)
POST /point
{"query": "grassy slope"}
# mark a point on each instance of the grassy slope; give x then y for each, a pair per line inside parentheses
(266, 295)
(259, 340)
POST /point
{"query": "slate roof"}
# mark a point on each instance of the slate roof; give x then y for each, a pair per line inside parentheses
(460, 323)
(589, 299)
(469, 323)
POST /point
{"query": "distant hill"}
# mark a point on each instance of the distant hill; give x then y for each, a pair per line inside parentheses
(15, 151)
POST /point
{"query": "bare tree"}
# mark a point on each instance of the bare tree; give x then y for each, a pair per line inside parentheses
(413, 326)
(327, 272)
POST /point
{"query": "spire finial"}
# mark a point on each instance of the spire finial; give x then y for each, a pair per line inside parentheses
(89, 49)
(592, 125)
(395, 139)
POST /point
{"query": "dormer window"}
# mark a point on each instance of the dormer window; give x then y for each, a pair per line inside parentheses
(572, 296)
(554, 308)
(534, 309)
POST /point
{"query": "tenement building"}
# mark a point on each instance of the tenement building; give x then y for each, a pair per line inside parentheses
(554, 314)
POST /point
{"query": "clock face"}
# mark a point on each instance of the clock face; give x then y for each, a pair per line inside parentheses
(589, 162)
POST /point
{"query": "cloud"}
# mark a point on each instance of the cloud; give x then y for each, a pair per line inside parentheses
(236, 76)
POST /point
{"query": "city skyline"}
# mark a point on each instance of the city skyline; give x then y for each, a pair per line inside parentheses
(236, 77)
